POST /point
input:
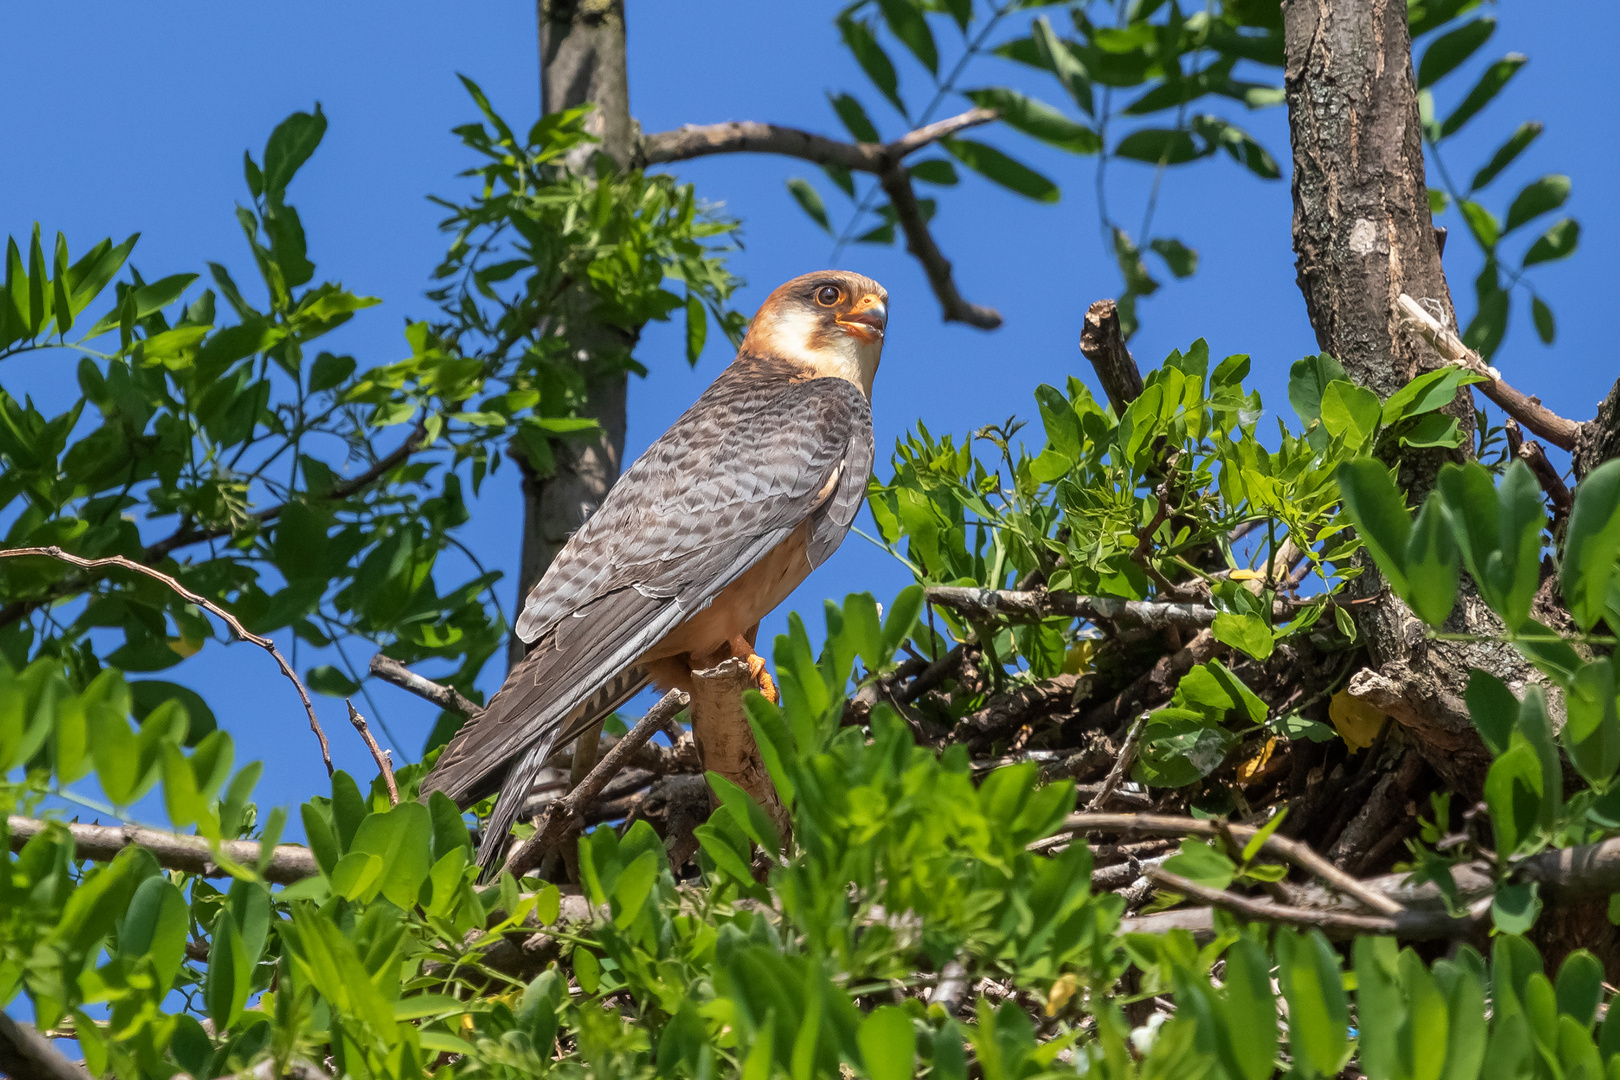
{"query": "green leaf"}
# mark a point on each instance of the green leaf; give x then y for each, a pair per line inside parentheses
(1579, 987)
(1493, 709)
(810, 202)
(1379, 514)
(1247, 632)
(402, 839)
(329, 680)
(1515, 907)
(1181, 259)
(155, 926)
(1452, 48)
(1350, 412)
(229, 976)
(992, 164)
(697, 324)
(1481, 222)
(934, 171)
(1199, 862)
(1161, 146)
(1308, 380)
(587, 970)
(1513, 792)
(907, 23)
(854, 118)
(888, 1044)
(1318, 1013)
(290, 145)
(1541, 314)
(1541, 197)
(863, 44)
(1592, 544)
(1506, 153)
(1054, 55)
(1037, 118)
(1558, 242)
(1484, 91)
(1432, 565)
(329, 372)
(1592, 733)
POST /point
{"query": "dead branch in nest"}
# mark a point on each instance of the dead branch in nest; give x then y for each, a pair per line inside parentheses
(378, 754)
(1103, 343)
(448, 698)
(1530, 452)
(1527, 410)
(571, 807)
(1406, 924)
(1122, 764)
(180, 590)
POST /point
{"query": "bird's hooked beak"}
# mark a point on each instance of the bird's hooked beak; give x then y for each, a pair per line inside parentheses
(866, 322)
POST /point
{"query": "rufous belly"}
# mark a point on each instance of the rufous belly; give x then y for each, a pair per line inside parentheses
(735, 611)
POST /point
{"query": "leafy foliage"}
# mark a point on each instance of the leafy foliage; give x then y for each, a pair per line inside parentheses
(296, 487)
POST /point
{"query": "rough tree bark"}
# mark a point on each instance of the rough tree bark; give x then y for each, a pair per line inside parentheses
(1363, 235)
(582, 59)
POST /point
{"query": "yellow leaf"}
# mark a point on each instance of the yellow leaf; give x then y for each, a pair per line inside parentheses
(1357, 722)
(1251, 769)
(1081, 657)
(186, 647)
(1245, 575)
(1062, 991)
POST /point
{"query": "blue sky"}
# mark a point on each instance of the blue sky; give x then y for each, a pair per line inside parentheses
(134, 117)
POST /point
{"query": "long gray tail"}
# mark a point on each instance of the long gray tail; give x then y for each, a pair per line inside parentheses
(521, 777)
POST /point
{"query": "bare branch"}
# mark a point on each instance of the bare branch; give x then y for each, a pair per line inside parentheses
(1122, 764)
(884, 160)
(1406, 924)
(1530, 452)
(445, 697)
(951, 988)
(562, 813)
(1526, 410)
(1103, 343)
(1035, 605)
(378, 754)
(920, 243)
(241, 631)
(190, 854)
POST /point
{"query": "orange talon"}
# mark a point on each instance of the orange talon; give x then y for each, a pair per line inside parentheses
(742, 650)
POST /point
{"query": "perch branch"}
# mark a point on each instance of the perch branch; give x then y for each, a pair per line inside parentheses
(378, 754)
(241, 631)
(563, 813)
(1261, 911)
(445, 697)
(1526, 410)
(1122, 764)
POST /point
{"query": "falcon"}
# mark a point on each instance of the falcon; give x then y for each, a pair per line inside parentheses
(751, 489)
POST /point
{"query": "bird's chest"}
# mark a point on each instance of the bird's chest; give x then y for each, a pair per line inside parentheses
(744, 602)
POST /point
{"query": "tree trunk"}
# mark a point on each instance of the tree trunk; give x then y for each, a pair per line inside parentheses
(1363, 235)
(582, 60)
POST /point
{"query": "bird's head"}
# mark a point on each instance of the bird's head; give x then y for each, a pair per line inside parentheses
(831, 321)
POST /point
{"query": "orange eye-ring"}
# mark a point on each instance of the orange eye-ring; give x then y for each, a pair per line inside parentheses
(828, 295)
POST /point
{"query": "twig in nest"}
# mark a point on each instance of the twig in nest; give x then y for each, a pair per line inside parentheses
(562, 813)
(1526, 410)
(1530, 452)
(241, 631)
(378, 754)
(1122, 765)
(951, 988)
(1260, 912)
(1294, 851)
(449, 698)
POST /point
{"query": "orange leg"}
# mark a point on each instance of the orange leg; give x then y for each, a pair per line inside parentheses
(743, 649)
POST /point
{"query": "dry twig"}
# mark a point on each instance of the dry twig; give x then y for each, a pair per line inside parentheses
(54, 552)
(188, 854)
(25, 1054)
(562, 813)
(1103, 343)
(1526, 410)
(449, 698)
(1122, 764)
(378, 754)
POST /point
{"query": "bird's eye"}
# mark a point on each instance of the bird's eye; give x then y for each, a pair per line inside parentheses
(828, 295)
